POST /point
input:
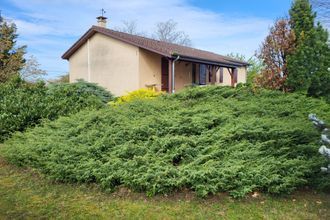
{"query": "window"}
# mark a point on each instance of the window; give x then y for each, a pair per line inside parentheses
(202, 74)
(193, 73)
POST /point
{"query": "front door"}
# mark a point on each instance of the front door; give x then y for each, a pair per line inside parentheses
(164, 74)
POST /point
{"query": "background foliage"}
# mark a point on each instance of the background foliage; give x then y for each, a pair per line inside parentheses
(278, 45)
(296, 53)
(24, 104)
(209, 140)
(11, 55)
(310, 62)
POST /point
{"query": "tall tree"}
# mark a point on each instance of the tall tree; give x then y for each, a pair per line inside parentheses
(11, 56)
(308, 65)
(274, 51)
(167, 31)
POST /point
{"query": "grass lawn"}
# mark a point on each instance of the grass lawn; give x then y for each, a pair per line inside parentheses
(24, 194)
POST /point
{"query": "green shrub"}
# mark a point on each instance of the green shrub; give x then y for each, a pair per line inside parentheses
(137, 94)
(208, 139)
(80, 89)
(23, 104)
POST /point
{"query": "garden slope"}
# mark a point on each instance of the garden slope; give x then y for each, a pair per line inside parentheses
(207, 139)
(24, 105)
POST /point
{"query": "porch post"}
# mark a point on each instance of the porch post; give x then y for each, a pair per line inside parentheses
(231, 73)
(232, 77)
(170, 75)
(214, 75)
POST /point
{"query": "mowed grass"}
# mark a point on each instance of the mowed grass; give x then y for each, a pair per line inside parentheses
(24, 194)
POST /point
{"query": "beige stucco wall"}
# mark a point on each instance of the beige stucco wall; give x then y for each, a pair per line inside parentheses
(112, 63)
(78, 64)
(183, 75)
(242, 74)
(241, 77)
(226, 77)
(149, 69)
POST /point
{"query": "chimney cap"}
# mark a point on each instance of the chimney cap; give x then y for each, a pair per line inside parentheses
(101, 18)
(102, 21)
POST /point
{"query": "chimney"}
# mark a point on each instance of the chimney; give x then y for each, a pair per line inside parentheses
(102, 21)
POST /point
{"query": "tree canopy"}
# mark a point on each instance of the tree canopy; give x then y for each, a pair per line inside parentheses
(309, 63)
(274, 52)
(296, 53)
(11, 55)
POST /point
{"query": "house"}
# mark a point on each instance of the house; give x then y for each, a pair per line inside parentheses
(122, 62)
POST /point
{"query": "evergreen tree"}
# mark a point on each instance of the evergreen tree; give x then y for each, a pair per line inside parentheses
(11, 56)
(320, 81)
(309, 63)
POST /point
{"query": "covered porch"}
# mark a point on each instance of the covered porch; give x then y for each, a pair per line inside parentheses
(180, 71)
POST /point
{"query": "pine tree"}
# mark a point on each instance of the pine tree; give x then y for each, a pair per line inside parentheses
(320, 81)
(309, 63)
(11, 56)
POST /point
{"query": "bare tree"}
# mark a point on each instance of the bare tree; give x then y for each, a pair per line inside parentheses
(167, 31)
(323, 11)
(130, 27)
(31, 70)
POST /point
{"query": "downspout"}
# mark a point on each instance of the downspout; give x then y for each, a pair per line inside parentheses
(173, 73)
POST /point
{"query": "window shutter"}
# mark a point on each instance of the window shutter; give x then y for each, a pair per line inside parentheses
(235, 75)
(221, 74)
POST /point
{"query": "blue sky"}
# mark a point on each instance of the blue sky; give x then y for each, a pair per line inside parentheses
(49, 28)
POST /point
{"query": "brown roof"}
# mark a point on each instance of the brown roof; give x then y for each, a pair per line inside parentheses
(163, 48)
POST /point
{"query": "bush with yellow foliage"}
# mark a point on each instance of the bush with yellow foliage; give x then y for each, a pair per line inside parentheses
(144, 93)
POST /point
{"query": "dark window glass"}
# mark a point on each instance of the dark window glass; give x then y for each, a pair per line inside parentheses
(194, 73)
(202, 74)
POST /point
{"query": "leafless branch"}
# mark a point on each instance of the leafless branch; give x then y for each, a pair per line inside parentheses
(322, 7)
(31, 70)
(167, 31)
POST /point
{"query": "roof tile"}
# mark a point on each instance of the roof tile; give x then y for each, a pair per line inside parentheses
(160, 47)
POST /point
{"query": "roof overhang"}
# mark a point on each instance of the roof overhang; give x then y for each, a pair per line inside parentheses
(78, 44)
(94, 29)
(208, 62)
